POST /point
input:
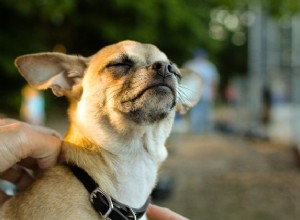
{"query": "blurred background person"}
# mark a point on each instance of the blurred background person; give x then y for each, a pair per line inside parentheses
(201, 116)
(32, 106)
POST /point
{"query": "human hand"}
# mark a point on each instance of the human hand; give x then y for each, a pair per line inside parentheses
(28, 145)
(159, 213)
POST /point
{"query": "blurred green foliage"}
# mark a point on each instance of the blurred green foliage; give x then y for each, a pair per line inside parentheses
(280, 8)
(177, 27)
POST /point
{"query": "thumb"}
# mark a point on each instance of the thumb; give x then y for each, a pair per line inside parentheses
(45, 147)
(50, 156)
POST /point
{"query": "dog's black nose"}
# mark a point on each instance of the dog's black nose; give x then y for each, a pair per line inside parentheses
(163, 69)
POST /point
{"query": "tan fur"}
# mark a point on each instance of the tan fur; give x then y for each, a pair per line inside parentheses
(118, 127)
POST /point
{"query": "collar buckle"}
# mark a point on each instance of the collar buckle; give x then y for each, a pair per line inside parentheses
(110, 204)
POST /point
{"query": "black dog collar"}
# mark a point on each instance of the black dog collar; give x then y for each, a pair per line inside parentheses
(104, 204)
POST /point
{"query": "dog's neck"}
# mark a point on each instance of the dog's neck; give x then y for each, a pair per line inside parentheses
(125, 167)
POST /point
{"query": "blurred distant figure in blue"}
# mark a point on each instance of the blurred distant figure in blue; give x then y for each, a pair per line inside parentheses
(201, 115)
(33, 106)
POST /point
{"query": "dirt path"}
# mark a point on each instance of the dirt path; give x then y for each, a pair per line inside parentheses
(227, 178)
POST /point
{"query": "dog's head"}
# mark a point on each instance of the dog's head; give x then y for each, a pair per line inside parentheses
(127, 81)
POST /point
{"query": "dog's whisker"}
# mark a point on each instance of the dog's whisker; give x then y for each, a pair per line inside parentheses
(185, 87)
(184, 98)
(186, 90)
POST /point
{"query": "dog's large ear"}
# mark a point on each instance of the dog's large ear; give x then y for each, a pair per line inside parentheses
(52, 70)
(190, 89)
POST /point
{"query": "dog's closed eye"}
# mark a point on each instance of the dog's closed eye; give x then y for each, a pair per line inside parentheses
(120, 67)
(122, 62)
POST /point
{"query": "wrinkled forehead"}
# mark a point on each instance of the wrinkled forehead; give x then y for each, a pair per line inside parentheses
(146, 53)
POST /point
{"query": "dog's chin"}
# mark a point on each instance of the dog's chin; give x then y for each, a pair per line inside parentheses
(150, 105)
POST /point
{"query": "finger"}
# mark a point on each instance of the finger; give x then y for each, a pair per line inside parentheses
(155, 212)
(46, 131)
(7, 121)
(47, 151)
(45, 146)
(17, 176)
(12, 139)
(3, 197)
(20, 140)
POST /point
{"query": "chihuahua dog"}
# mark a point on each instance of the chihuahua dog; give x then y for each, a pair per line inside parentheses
(123, 102)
